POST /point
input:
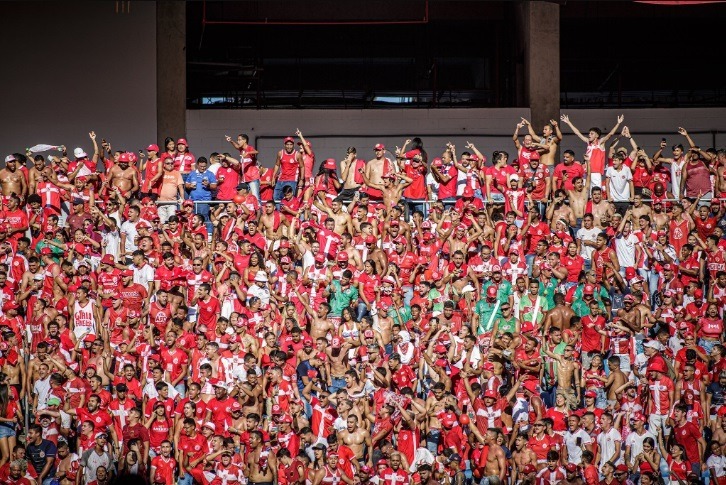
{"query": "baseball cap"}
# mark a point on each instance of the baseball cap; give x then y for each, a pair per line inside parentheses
(492, 292)
(108, 259)
(79, 153)
(10, 158)
(182, 141)
(379, 146)
(490, 393)
(330, 164)
(289, 139)
(342, 257)
(455, 457)
(368, 334)
(529, 468)
(571, 467)
(370, 239)
(152, 148)
(320, 258)
(336, 343)
(209, 425)
(496, 268)
(589, 290)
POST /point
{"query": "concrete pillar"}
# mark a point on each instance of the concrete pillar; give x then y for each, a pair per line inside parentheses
(539, 24)
(171, 69)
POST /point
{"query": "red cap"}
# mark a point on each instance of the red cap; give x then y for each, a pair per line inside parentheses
(108, 259)
(622, 468)
(698, 294)
(342, 257)
(10, 305)
(440, 349)
(153, 148)
(286, 418)
(640, 417)
(589, 290)
(400, 240)
(441, 362)
(182, 141)
(285, 260)
(236, 406)
(307, 341)
(330, 164)
(276, 409)
(491, 393)
(320, 258)
(394, 222)
(496, 268)
(45, 250)
(127, 272)
(368, 334)
(529, 468)
(591, 394)
(571, 467)
(289, 139)
(668, 267)
(629, 273)
(468, 192)
(336, 343)
(370, 239)
(492, 292)
(379, 146)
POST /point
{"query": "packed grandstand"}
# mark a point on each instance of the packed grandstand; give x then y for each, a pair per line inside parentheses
(395, 316)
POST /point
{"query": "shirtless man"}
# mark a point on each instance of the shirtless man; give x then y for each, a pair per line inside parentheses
(601, 208)
(14, 367)
(123, 177)
(261, 461)
(640, 209)
(271, 222)
(521, 456)
(615, 381)
(375, 170)
(357, 439)
(630, 315)
(560, 210)
(12, 180)
(496, 462)
(350, 172)
(578, 199)
(568, 370)
(343, 221)
(346, 246)
(391, 190)
(551, 138)
(435, 405)
(35, 173)
(376, 254)
(660, 217)
(560, 316)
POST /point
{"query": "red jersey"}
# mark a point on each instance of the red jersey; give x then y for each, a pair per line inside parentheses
(133, 297)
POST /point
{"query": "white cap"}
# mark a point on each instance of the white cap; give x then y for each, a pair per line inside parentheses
(654, 344)
(514, 177)
(261, 276)
(79, 153)
(10, 158)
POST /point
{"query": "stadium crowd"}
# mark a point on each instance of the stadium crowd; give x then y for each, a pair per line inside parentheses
(398, 318)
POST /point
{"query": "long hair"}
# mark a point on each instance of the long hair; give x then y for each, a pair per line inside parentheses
(4, 392)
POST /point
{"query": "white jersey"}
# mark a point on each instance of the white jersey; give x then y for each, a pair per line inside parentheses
(84, 320)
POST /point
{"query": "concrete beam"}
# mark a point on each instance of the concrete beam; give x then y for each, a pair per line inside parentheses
(171, 69)
(540, 34)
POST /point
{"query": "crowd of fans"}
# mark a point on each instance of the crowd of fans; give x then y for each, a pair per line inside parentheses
(393, 319)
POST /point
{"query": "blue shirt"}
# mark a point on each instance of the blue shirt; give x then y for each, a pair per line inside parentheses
(37, 455)
(200, 192)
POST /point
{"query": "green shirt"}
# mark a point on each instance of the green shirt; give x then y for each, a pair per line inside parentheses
(485, 310)
(526, 310)
(504, 291)
(507, 325)
(548, 290)
(340, 298)
(400, 316)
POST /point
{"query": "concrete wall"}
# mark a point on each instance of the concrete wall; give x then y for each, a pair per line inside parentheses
(332, 131)
(71, 67)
